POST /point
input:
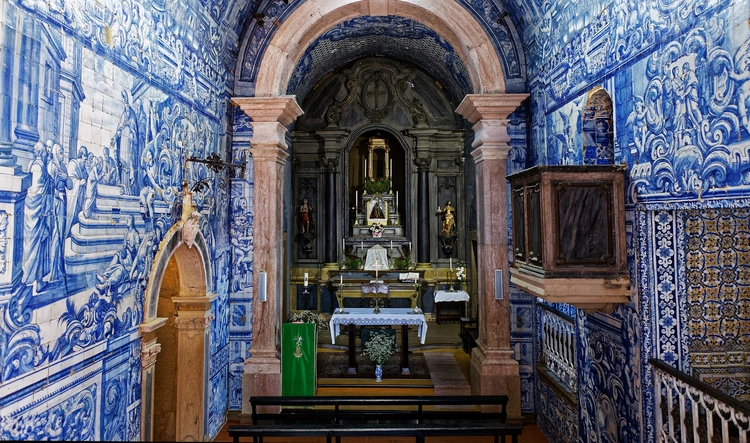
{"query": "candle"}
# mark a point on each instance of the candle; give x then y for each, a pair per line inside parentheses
(362, 247)
(391, 244)
(450, 262)
(396, 201)
(305, 279)
(342, 280)
(356, 200)
(390, 169)
(343, 246)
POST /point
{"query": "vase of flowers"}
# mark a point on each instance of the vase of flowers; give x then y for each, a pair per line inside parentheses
(460, 275)
(377, 230)
(379, 349)
(309, 317)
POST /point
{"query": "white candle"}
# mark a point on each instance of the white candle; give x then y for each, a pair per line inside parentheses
(356, 200)
(305, 279)
(343, 246)
(409, 246)
(450, 262)
(391, 244)
(362, 247)
(342, 280)
(390, 169)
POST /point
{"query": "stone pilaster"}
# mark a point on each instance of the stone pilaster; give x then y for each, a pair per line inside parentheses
(332, 162)
(149, 350)
(493, 369)
(192, 322)
(270, 116)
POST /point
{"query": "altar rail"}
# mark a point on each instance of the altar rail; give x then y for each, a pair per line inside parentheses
(559, 345)
(689, 410)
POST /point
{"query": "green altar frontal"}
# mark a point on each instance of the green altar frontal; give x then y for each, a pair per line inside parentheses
(299, 345)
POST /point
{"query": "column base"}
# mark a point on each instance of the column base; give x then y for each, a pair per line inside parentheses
(423, 266)
(331, 266)
(262, 376)
(496, 373)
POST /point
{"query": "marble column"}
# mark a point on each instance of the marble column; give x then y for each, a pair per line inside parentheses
(193, 323)
(332, 139)
(331, 166)
(493, 369)
(27, 107)
(270, 116)
(423, 212)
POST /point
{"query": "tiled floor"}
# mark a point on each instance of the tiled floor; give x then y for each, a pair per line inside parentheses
(531, 434)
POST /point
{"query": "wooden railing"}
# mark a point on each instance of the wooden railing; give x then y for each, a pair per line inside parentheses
(689, 410)
(559, 345)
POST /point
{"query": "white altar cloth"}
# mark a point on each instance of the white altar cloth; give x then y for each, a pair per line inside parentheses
(441, 296)
(387, 316)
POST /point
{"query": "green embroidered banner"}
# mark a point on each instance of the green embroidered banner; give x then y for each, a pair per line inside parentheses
(298, 359)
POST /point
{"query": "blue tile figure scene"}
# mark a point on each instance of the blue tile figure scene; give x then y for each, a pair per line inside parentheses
(125, 251)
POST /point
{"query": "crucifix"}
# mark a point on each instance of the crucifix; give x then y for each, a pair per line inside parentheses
(377, 265)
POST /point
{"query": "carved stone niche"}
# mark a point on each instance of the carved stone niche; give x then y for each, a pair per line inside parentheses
(569, 235)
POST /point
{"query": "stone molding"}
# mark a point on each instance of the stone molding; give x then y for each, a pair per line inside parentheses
(191, 322)
(449, 19)
(476, 107)
(282, 109)
(149, 352)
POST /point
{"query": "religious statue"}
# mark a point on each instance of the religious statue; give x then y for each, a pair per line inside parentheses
(377, 210)
(305, 215)
(449, 221)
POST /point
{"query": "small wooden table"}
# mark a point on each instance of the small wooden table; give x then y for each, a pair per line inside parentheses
(388, 316)
(448, 297)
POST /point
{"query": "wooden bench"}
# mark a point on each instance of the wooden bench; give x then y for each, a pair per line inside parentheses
(469, 333)
(406, 417)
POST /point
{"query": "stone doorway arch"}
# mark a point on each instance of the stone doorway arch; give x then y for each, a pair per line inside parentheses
(175, 337)
(493, 368)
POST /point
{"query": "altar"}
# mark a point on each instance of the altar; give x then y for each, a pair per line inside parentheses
(388, 316)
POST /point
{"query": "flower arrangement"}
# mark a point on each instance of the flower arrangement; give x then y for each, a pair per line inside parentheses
(402, 262)
(460, 273)
(352, 262)
(309, 317)
(377, 230)
(380, 185)
(379, 348)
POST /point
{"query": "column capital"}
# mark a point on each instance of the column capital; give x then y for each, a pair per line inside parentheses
(476, 107)
(283, 109)
(193, 322)
(149, 352)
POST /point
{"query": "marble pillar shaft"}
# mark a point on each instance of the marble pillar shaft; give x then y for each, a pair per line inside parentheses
(493, 369)
(269, 118)
(268, 167)
(331, 245)
(423, 216)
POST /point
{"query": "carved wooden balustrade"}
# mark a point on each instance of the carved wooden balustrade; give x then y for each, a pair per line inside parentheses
(689, 410)
(559, 345)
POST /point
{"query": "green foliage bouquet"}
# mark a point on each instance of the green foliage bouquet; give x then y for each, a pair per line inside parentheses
(309, 317)
(379, 348)
(377, 186)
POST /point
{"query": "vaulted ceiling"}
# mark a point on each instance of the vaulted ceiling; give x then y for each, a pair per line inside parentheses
(391, 36)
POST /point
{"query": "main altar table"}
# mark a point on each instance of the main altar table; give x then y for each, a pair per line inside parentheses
(388, 316)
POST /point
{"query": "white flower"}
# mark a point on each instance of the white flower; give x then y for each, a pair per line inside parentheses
(460, 273)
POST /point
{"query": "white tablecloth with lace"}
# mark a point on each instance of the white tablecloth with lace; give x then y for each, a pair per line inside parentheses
(441, 296)
(387, 316)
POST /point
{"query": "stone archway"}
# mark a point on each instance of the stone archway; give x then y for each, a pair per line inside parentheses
(311, 19)
(176, 330)
(493, 369)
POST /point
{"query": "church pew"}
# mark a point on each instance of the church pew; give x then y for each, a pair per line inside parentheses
(416, 416)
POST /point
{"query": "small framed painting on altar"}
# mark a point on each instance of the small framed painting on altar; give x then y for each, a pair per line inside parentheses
(377, 211)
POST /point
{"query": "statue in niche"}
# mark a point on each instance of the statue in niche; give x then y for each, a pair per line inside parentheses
(377, 209)
(449, 221)
(305, 216)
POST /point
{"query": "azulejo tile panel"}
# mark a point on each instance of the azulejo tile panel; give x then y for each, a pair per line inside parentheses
(717, 263)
